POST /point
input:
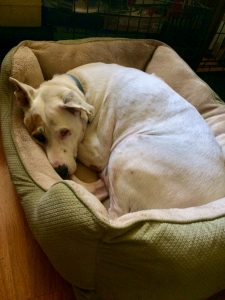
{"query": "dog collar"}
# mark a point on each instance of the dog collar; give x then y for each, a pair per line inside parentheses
(77, 82)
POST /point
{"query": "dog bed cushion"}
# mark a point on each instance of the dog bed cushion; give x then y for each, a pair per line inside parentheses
(152, 254)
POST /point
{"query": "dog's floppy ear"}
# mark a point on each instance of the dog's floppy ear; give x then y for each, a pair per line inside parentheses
(74, 105)
(24, 93)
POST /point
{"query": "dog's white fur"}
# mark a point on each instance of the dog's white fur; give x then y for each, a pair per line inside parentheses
(152, 147)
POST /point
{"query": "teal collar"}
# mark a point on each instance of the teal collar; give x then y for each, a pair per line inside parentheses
(76, 80)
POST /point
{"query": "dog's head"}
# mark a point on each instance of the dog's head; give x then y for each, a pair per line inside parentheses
(56, 116)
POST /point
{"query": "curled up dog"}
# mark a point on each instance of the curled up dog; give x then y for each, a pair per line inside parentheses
(150, 146)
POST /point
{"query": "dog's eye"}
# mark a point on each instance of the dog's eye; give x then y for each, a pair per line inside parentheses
(64, 132)
(40, 138)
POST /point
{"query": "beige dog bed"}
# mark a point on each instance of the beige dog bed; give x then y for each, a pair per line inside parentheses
(152, 254)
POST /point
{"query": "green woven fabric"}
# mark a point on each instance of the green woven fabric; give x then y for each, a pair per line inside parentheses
(144, 260)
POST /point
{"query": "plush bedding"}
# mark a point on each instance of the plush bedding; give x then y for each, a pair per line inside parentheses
(151, 254)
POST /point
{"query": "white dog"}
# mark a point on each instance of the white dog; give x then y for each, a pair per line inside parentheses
(152, 148)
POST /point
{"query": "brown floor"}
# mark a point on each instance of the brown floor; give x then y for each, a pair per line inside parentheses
(25, 272)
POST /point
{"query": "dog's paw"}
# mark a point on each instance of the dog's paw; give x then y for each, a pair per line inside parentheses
(97, 188)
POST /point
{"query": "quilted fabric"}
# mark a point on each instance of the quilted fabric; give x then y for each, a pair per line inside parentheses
(160, 254)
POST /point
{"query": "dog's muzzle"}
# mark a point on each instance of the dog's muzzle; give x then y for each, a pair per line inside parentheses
(63, 171)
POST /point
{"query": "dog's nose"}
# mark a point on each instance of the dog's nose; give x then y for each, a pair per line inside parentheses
(63, 171)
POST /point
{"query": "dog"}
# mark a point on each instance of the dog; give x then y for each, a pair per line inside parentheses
(152, 148)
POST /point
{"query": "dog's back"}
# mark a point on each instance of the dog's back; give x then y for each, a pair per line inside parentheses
(162, 153)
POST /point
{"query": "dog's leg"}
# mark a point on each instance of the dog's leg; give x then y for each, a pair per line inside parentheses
(97, 188)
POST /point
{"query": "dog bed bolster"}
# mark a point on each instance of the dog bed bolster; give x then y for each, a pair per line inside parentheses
(153, 254)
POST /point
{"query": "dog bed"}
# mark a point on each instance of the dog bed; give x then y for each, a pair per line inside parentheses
(152, 254)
